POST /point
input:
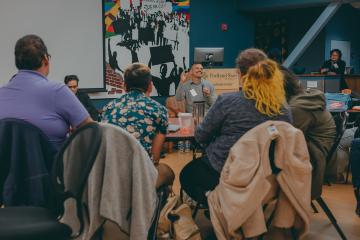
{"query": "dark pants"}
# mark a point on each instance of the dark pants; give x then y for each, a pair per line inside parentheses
(355, 162)
(198, 177)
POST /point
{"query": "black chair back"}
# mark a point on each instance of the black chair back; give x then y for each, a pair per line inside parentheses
(26, 158)
(77, 155)
(275, 170)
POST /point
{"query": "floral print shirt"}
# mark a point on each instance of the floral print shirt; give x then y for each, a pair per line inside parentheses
(140, 115)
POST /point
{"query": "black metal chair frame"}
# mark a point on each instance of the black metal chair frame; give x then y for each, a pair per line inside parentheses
(356, 135)
(77, 190)
(162, 193)
(340, 129)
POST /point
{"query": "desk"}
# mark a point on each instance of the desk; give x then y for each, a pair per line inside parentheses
(353, 82)
(180, 136)
(353, 111)
(325, 83)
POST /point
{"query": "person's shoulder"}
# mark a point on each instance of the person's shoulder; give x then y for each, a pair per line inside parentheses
(55, 86)
(186, 83)
(327, 62)
(57, 89)
(82, 93)
(111, 104)
(155, 104)
(207, 82)
(231, 96)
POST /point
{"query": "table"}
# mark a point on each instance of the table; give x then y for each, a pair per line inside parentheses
(353, 117)
(180, 136)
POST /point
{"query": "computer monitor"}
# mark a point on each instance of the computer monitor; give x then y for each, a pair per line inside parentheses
(209, 56)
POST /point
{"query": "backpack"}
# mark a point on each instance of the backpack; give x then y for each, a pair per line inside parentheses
(337, 102)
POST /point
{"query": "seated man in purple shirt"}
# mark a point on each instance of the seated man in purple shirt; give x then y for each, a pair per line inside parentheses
(30, 96)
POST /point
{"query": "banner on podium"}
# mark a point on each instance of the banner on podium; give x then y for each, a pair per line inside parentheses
(224, 79)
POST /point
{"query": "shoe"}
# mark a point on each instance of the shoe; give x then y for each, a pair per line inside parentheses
(340, 178)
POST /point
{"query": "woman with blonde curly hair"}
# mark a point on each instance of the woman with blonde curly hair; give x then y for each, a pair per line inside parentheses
(262, 98)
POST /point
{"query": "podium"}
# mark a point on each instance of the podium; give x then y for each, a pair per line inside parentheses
(330, 83)
(325, 83)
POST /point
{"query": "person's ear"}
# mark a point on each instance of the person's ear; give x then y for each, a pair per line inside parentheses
(46, 60)
(149, 89)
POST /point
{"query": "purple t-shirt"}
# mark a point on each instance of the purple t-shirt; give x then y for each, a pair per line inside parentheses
(50, 106)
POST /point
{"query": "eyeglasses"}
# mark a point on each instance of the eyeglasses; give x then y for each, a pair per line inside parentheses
(49, 56)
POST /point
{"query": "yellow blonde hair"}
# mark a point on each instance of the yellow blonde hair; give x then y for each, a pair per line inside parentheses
(264, 83)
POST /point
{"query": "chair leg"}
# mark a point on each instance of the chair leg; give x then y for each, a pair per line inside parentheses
(328, 183)
(347, 173)
(153, 228)
(331, 217)
(196, 210)
(268, 222)
(314, 207)
(294, 234)
(261, 237)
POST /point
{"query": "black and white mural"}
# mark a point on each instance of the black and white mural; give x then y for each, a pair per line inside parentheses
(154, 32)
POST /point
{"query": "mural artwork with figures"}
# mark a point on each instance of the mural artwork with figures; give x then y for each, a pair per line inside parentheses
(154, 32)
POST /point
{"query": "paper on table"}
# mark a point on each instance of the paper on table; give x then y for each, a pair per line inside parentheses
(173, 127)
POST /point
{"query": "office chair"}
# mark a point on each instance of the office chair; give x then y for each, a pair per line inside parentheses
(37, 223)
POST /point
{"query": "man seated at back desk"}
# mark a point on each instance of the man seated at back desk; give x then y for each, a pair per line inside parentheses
(196, 89)
(72, 81)
(334, 65)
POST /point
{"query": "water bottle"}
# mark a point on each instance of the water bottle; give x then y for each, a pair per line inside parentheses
(181, 146)
(198, 111)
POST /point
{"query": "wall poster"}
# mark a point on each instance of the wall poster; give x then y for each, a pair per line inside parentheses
(153, 32)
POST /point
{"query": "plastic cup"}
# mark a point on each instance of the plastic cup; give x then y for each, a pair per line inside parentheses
(186, 122)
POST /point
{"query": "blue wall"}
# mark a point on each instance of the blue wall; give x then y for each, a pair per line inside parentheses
(205, 31)
(261, 5)
(298, 23)
(343, 26)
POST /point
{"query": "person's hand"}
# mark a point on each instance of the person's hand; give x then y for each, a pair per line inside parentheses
(324, 70)
(183, 77)
(346, 91)
(71, 130)
(206, 92)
